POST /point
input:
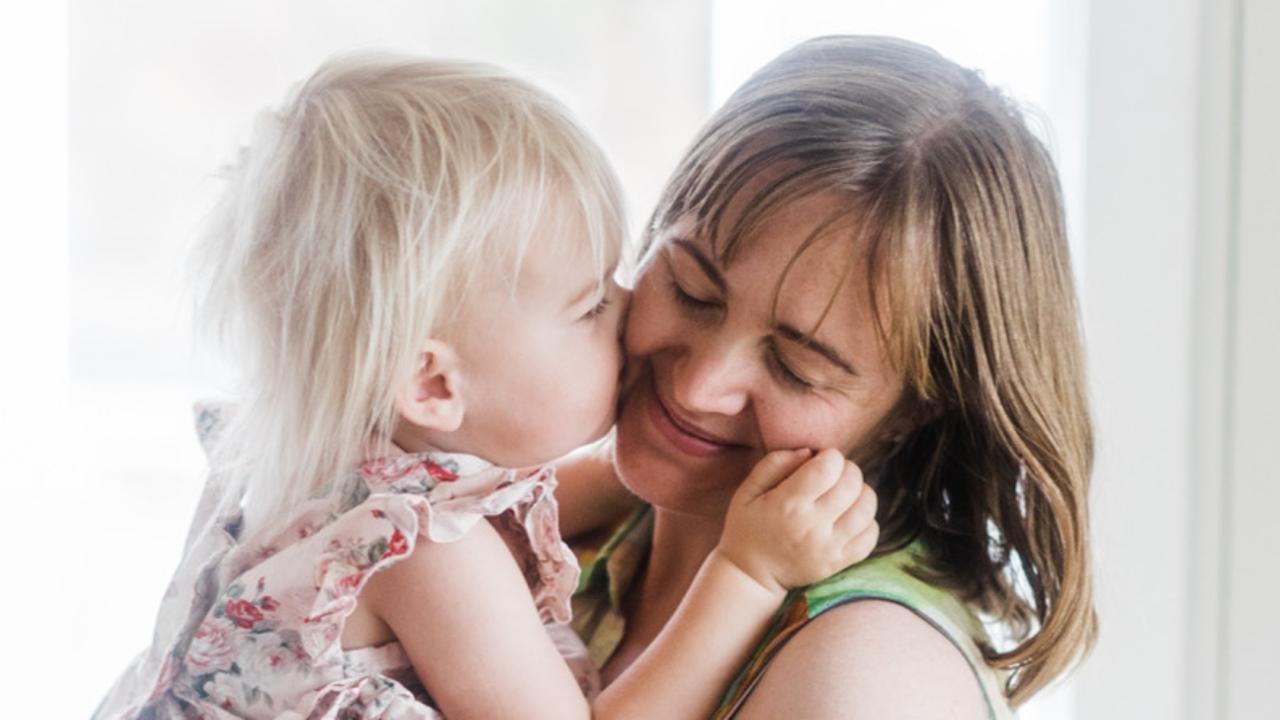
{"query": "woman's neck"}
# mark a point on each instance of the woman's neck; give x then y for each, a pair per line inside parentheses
(680, 545)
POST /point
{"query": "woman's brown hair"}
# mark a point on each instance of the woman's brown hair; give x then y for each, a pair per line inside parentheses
(960, 210)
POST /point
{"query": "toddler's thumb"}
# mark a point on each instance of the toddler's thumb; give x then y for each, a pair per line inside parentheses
(771, 470)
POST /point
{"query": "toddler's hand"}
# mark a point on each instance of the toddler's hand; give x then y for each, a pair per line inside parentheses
(798, 518)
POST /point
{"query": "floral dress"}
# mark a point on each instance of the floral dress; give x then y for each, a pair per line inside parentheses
(250, 627)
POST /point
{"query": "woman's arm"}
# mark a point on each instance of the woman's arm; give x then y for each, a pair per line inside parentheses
(867, 659)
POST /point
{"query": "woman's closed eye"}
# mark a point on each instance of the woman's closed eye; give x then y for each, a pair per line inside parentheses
(779, 368)
(691, 302)
(773, 359)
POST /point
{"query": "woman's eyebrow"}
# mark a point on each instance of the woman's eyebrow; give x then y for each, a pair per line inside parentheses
(708, 267)
(816, 345)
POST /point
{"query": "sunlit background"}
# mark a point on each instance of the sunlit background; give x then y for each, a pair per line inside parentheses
(1155, 111)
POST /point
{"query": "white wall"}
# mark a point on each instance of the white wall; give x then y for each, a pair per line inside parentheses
(1181, 292)
(1139, 230)
(35, 431)
(1250, 627)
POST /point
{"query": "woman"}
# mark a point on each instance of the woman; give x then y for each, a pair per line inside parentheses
(863, 249)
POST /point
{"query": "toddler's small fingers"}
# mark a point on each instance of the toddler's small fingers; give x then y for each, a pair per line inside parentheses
(847, 490)
(772, 469)
(861, 546)
(859, 516)
(815, 476)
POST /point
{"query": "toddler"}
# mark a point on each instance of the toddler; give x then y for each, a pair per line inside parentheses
(414, 266)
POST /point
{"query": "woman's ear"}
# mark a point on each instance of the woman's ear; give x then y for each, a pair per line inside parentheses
(911, 416)
(433, 398)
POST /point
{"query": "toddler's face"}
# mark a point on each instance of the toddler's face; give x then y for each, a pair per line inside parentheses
(541, 364)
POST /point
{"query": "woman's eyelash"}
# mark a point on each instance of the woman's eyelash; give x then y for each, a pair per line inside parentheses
(779, 368)
(690, 301)
(786, 374)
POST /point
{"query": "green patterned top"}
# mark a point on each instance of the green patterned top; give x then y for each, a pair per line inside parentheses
(609, 573)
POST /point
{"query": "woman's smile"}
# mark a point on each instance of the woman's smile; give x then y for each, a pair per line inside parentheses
(681, 433)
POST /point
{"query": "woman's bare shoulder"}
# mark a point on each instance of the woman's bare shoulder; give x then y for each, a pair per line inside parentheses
(869, 658)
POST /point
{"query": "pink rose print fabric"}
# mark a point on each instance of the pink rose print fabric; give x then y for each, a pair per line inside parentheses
(250, 626)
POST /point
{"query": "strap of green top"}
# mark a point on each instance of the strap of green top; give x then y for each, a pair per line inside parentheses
(884, 578)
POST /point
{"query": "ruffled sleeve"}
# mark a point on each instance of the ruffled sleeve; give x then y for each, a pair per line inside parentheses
(450, 494)
(394, 504)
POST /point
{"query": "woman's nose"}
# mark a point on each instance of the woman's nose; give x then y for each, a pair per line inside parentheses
(714, 376)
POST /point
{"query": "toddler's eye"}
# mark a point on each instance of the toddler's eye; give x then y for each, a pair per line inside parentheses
(598, 310)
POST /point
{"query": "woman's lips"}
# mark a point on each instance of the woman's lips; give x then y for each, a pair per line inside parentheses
(675, 433)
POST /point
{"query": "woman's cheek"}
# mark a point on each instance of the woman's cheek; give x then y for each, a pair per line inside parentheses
(649, 320)
(786, 423)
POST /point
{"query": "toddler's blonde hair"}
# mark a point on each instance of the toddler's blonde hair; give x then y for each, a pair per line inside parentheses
(357, 223)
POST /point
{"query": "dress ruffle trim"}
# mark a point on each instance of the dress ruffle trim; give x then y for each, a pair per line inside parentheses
(411, 493)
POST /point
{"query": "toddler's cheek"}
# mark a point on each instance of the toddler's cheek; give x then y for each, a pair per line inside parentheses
(599, 406)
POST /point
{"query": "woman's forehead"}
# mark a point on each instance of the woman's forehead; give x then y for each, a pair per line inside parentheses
(792, 236)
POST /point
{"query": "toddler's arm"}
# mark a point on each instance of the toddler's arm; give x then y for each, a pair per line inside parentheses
(818, 520)
(465, 616)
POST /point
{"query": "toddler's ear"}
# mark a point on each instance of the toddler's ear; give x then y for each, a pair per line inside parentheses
(433, 397)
